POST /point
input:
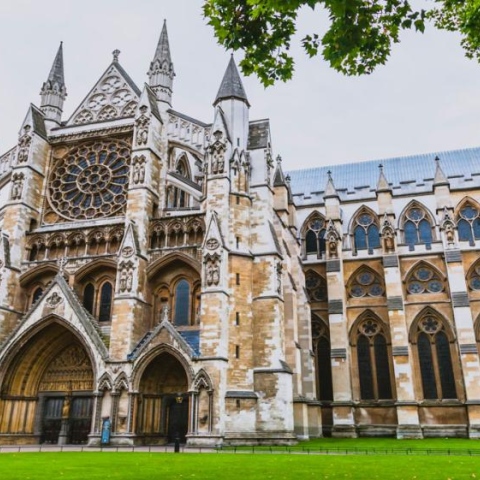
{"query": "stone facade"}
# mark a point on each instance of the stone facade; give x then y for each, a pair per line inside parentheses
(163, 277)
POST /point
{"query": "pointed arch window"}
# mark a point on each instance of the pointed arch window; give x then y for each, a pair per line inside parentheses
(316, 287)
(474, 278)
(417, 228)
(424, 279)
(89, 297)
(105, 308)
(468, 223)
(373, 360)
(435, 359)
(366, 283)
(37, 294)
(365, 232)
(182, 303)
(322, 351)
(315, 237)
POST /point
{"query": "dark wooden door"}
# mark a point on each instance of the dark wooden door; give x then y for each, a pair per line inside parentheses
(178, 421)
(52, 420)
(80, 420)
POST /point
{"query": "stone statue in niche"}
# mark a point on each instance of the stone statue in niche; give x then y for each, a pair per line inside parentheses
(332, 245)
(126, 277)
(449, 233)
(142, 123)
(138, 170)
(213, 271)
(17, 186)
(388, 239)
(24, 145)
(217, 151)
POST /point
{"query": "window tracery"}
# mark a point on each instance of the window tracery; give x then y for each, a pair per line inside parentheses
(366, 283)
(314, 234)
(316, 287)
(417, 227)
(366, 234)
(90, 181)
(434, 357)
(474, 278)
(424, 279)
(322, 352)
(97, 296)
(371, 340)
(468, 223)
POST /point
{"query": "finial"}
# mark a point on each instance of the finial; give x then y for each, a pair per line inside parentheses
(288, 178)
(329, 173)
(437, 159)
(115, 54)
(279, 159)
(380, 166)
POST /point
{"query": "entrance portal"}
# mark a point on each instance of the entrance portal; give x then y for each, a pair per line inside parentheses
(163, 409)
(49, 389)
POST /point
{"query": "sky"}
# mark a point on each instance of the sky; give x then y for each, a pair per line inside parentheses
(426, 99)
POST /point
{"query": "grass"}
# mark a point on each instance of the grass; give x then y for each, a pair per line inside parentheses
(244, 466)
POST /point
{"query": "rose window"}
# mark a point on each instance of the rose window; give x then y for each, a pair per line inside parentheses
(91, 180)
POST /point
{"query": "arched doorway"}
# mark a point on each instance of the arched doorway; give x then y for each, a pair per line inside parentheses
(47, 393)
(163, 409)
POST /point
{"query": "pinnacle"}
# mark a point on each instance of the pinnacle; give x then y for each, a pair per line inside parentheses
(382, 184)
(231, 86)
(440, 177)
(56, 73)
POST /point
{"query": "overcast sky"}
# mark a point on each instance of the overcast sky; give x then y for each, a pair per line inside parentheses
(426, 99)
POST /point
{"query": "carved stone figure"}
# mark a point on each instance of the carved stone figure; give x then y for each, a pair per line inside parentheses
(24, 143)
(449, 233)
(332, 245)
(388, 241)
(142, 123)
(126, 277)
(279, 269)
(66, 407)
(54, 300)
(138, 170)
(213, 272)
(17, 186)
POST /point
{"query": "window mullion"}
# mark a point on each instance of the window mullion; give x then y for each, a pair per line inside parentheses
(374, 368)
(436, 369)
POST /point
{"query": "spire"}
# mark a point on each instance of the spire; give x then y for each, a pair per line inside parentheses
(161, 71)
(53, 91)
(330, 190)
(440, 177)
(382, 184)
(231, 86)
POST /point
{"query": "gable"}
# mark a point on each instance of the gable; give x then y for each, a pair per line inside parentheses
(114, 96)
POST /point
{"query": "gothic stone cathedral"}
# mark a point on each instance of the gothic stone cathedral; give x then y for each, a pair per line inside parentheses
(164, 275)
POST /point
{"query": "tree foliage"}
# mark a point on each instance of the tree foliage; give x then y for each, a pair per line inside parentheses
(359, 36)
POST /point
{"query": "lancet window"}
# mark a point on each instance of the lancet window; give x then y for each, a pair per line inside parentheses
(322, 351)
(434, 350)
(314, 235)
(417, 227)
(468, 223)
(98, 299)
(365, 232)
(371, 341)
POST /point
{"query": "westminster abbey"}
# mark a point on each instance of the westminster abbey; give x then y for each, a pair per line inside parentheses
(163, 277)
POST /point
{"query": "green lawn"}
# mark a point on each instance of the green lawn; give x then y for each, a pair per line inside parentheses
(221, 466)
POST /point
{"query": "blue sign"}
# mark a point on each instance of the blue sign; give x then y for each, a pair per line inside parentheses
(106, 431)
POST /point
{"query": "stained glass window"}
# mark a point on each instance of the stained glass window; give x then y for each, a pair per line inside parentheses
(104, 311)
(468, 224)
(182, 303)
(435, 359)
(366, 283)
(424, 279)
(417, 228)
(365, 233)
(88, 297)
(373, 361)
(315, 237)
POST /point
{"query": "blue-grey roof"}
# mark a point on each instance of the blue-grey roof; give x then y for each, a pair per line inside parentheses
(192, 337)
(406, 175)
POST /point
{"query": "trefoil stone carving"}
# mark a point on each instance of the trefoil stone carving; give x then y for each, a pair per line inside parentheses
(54, 300)
(138, 168)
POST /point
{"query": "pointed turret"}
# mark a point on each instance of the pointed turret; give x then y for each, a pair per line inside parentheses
(382, 184)
(231, 86)
(232, 99)
(53, 91)
(440, 177)
(330, 190)
(161, 71)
